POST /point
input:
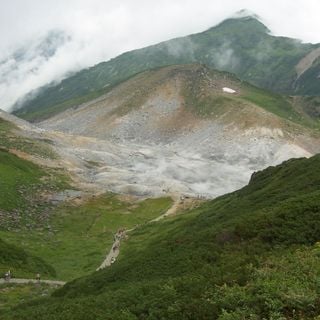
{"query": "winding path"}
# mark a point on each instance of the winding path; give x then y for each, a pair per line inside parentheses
(115, 249)
(110, 258)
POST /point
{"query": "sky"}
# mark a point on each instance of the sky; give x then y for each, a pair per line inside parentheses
(86, 32)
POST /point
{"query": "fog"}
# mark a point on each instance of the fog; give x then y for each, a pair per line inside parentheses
(44, 41)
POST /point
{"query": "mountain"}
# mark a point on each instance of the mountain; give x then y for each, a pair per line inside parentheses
(243, 46)
(251, 254)
(182, 129)
(24, 183)
(23, 69)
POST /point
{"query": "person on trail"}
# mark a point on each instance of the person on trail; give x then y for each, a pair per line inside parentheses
(38, 277)
(6, 276)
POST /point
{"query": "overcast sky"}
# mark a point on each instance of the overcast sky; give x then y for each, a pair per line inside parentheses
(90, 31)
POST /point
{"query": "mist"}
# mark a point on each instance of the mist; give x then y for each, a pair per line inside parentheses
(45, 41)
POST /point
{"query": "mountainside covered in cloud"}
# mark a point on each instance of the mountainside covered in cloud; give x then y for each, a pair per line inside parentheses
(30, 66)
(242, 46)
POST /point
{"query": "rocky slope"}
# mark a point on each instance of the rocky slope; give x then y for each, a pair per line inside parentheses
(180, 130)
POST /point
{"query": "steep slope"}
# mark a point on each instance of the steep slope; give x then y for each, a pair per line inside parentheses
(24, 186)
(21, 263)
(242, 46)
(251, 254)
(178, 129)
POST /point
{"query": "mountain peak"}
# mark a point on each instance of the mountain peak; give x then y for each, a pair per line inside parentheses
(245, 13)
(244, 21)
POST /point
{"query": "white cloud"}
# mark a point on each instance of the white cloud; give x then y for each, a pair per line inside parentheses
(98, 30)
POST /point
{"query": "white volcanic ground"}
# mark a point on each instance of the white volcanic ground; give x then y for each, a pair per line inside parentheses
(187, 166)
(133, 154)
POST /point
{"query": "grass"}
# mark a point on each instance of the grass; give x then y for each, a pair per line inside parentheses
(80, 235)
(206, 102)
(251, 254)
(20, 263)
(10, 138)
(22, 184)
(16, 173)
(13, 294)
(275, 104)
(21, 210)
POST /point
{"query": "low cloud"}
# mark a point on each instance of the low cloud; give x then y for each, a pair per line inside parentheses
(225, 56)
(87, 32)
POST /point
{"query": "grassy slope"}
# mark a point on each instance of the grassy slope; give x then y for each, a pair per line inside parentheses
(15, 173)
(240, 46)
(72, 239)
(81, 235)
(12, 294)
(21, 263)
(11, 139)
(252, 254)
(19, 181)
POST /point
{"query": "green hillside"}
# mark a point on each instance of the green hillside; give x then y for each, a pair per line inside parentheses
(20, 181)
(11, 138)
(22, 264)
(21, 207)
(78, 236)
(241, 46)
(251, 254)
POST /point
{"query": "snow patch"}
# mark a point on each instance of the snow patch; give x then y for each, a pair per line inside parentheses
(228, 90)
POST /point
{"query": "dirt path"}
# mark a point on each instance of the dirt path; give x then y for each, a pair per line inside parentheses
(26, 281)
(171, 211)
(115, 249)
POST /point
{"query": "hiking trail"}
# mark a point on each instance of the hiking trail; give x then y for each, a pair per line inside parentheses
(122, 234)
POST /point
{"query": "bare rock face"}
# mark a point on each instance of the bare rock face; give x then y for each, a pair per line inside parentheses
(175, 130)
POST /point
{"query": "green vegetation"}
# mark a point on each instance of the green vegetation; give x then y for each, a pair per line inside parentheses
(16, 173)
(273, 103)
(77, 237)
(10, 138)
(240, 46)
(13, 294)
(20, 263)
(310, 106)
(21, 208)
(308, 83)
(22, 185)
(206, 102)
(251, 254)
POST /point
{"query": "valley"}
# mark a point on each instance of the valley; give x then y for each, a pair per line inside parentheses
(148, 138)
(155, 186)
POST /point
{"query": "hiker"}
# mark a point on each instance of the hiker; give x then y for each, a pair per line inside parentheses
(6, 276)
(38, 277)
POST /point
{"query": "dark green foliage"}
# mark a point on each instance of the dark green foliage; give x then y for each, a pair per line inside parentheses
(252, 254)
(21, 263)
(241, 46)
(308, 83)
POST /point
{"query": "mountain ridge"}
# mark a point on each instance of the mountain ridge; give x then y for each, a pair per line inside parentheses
(242, 46)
